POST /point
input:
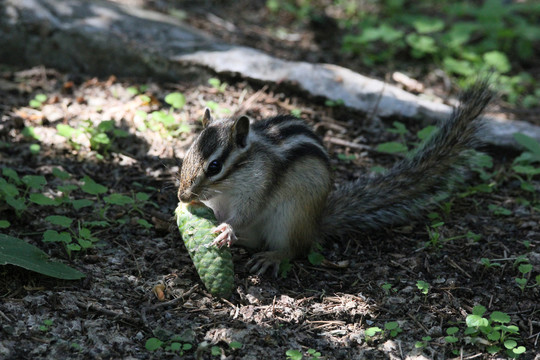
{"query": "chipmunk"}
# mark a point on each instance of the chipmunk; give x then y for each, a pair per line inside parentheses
(269, 182)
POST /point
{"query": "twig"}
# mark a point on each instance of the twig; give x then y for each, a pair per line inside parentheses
(115, 314)
(341, 142)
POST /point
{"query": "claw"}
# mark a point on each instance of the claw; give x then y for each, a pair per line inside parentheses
(227, 236)
(261, 262)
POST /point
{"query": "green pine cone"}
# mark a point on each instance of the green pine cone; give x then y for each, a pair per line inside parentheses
(214, 266)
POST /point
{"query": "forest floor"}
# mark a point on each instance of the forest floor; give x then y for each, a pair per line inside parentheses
(413, 282)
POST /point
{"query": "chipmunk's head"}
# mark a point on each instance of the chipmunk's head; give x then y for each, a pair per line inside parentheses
(212, 157)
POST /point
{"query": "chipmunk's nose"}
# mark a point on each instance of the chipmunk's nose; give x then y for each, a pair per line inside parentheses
(185, 195)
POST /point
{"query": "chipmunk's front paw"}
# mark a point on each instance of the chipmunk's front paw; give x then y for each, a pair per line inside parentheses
(263, 261)
(227, 236)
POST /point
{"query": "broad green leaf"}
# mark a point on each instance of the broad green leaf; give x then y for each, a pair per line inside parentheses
(16, 203)
(30, 131)
(399, 128)
(65, 130)
(141, 196)
(41, 199)
(392, 147)
(145, 224)
(34, 181)
(421, 44)
(494, 336)
(294, 354)
(166, 119)
(372, 331)
(106, 125)
(510, 344)
(452, 330)
(459, 34)
(479, 310)
(59, 220)
(426, 25)
(91, 187)
(525, 268)
(529, 143)
(498, 210)
(215, 350)
(55, 236)
(119, 133)
(34, 149)
(118, 199)
(235, 345)
(80, 203)
(8, 189)
(100, 138)
(62, 175)
(18, 252)
(426, 132)
(315, 258)
(459, 67)
(11, 174)
(476, 321)
(85, 244)
(497, 60)
(41, 97)
(451, 339)
(73, 247)
(176, 100)
(4, 224)
(153, 344)
(35, 103)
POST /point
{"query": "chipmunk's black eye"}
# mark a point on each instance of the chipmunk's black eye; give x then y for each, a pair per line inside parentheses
(213, 168)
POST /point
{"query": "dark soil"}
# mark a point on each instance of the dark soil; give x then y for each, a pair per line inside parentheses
(113, 311)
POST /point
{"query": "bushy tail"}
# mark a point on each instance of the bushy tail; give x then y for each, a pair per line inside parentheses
(410, 187)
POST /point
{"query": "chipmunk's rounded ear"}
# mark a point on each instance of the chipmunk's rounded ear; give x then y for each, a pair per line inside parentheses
(241, 130)
(207, 118)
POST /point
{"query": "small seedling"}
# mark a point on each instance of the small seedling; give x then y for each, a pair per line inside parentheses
(284, 267)
(173, 344)
(215, 351)
(422, 286)
(422, 344)
(488, 264)
(313, 354)
(152, 344)
(235, 345)
(450, 332)
(499, 210)
(346, 157)
(38, 101)
(296, 113)
(315, 258)
(372, 331)
(217, 84)
(46, 325)
(493, 333)
(393, 328)
(334, 103)
(387, 287)
(392, 147)
(524, 269)
(293, 354)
